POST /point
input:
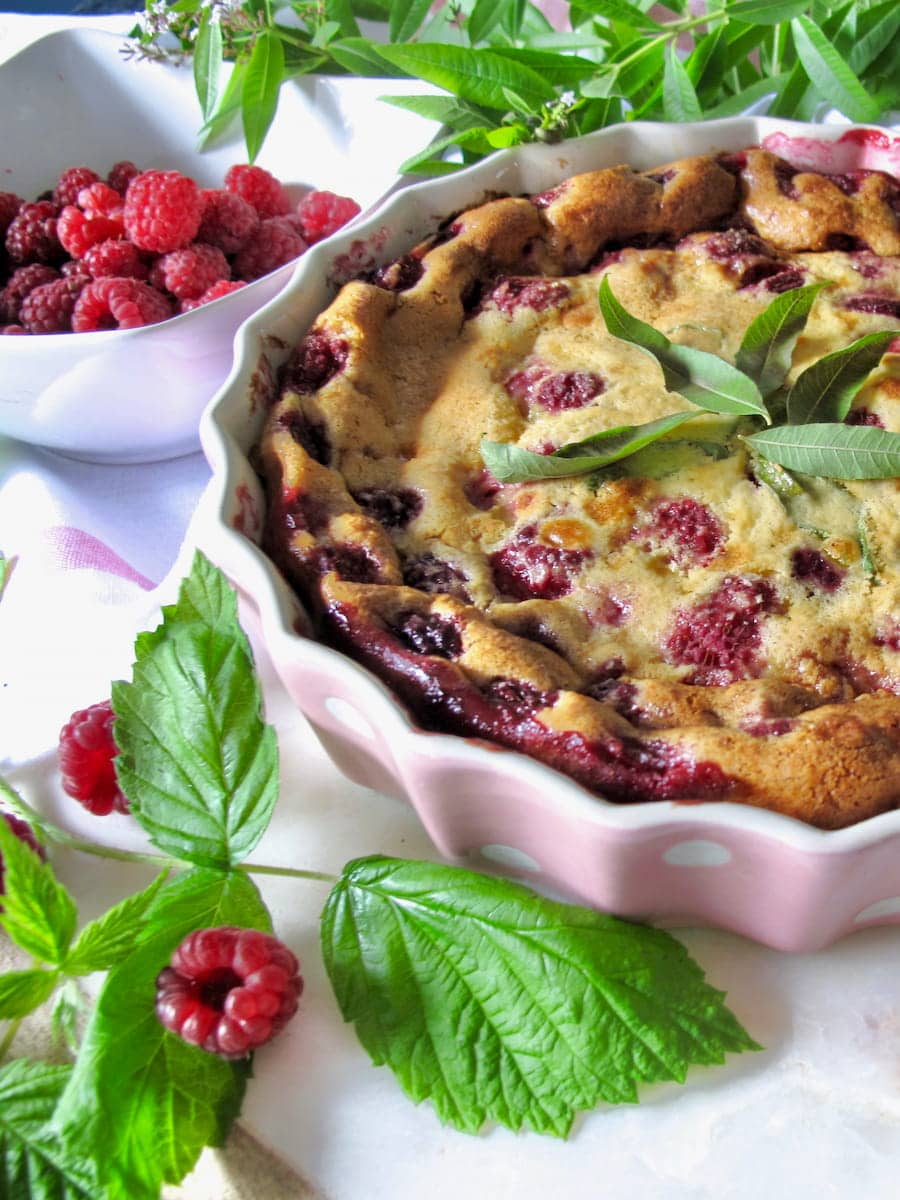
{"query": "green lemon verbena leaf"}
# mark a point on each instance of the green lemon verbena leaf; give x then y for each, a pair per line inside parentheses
(619, 10)
(499, 1005)
(405, 18)
(766, 12)
(825, 390)
(512, 464)
(208, 60)
(37, 912)
(479, 76)
(835, 451)
(22, 991)
(259, 96)
(680, 101)
(705, 379)
(197, 762)
(769, 340)
(112, 937)
(32, 1164)
(830, 73)
(141, 1104)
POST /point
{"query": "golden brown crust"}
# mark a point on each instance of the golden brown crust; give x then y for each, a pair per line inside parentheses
(676, 631)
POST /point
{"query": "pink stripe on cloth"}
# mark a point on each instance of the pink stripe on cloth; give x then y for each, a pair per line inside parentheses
(77, 549)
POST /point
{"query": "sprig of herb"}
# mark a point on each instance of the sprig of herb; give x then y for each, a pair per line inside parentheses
(510, 77)
(552, 1005)
(754, 389)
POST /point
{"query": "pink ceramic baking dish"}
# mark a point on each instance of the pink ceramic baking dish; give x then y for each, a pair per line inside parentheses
(755, 872)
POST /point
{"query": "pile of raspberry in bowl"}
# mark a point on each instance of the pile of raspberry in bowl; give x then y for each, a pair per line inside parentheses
(139, 247)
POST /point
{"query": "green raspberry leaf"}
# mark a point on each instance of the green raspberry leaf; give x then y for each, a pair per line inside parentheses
(111, 938)
(705, 379)
(825, 390)
(512, 464)
(32, 1164)
(141, 1104)
(560, 1007)
(197, 762)
(835, 451)
(38, 913)
(23, 991)
(769, 340)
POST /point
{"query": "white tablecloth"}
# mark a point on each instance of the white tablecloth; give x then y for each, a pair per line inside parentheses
(817, 1115)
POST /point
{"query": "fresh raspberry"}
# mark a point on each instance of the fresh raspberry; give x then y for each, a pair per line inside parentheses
(48, 308)
(121, 174)
(114, 303)
(188, 273)
(228, 990)
(31, 236)
(259, 188)
(101, 200)
(7, 330)
(22, 281)
(323, 213)
(78, 232)
(10, 204)
(274, 244)
(70, 183)
(228, 220)
(223, 288)
(162, 210)
(76, 273)
(87, 752)
(24, 833)
(114, 257)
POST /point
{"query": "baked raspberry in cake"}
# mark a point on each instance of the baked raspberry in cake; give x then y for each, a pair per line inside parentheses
(669, 627)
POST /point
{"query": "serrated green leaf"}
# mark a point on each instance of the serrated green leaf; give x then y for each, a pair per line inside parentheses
(878, 28)
(831, 75)
(825, 390)
(680, 101)
(734, 105)
(360, 56)
(38, 913)
(111, 938)
(619, 10)
(141, 1104)
(560, 70)
(405, 18)
(259, 97)
(834, 451)
(476, 75)
(766, 12)
(445, 110)
(561, 1007)
(32, 1165)
(23, 991)
(207, 63)
(512, 464)
(768, 344)
(196, 760)
(705, 379)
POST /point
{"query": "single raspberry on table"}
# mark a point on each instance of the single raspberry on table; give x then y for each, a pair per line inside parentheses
(70, 183)
(275, 243)
(228, 220)
(322, 213)
(87, 751)
(223, 288)
(121, 174)
(259, 188)
(78, 231)
(189, 272)
(162, 210)
(116, 303)
(24, 833)
(32, 237)
(48, 308)
(115, 257)
(22, 281)
(10, 204)
(228, 990)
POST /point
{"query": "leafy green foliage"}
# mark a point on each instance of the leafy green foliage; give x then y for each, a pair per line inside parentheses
(834, 451)
(825, 390)
(768, 344)
(38, 912)
(141, 1104)
(109, 939)
(801, 56)
(560, 1007)
(197, 761)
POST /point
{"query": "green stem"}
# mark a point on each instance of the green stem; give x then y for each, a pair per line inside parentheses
(9, 1037)
(54, 833)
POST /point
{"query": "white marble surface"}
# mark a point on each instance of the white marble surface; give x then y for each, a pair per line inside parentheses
(815, 1116)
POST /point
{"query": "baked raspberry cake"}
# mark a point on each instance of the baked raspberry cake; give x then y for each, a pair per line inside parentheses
(676, 625)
